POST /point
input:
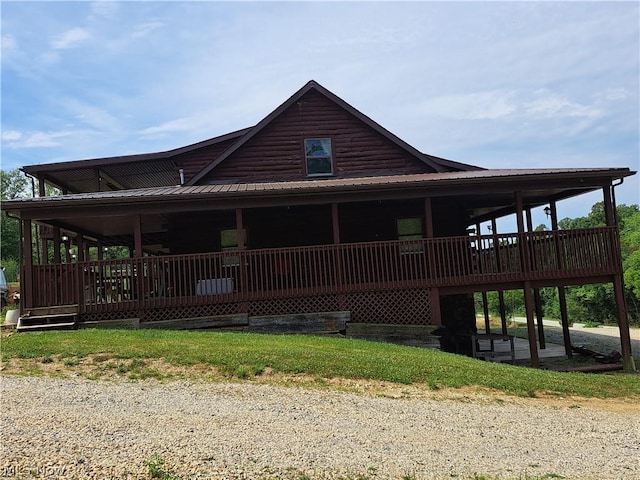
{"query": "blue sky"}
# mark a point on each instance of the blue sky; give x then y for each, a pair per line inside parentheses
(500, 85)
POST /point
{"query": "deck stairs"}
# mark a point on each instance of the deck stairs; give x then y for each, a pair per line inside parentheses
(64, 317)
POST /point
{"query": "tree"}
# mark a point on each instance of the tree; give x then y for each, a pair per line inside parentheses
(12, 185)
(594, 303)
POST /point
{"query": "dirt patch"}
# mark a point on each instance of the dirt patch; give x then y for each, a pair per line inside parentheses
(108, 368)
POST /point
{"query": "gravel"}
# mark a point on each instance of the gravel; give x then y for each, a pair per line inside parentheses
(78, 428)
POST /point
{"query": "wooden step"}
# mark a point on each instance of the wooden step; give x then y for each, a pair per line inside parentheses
(49, 311)
(50, 318)
(46, 326)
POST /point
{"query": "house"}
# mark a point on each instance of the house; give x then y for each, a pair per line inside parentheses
(315, 219)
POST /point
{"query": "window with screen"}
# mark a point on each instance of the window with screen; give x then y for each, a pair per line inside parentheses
(319, 161)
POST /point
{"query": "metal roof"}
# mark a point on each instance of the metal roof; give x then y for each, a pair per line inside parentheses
(485, 180)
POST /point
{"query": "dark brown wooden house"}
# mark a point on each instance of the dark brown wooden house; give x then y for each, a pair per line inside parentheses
(315, 213)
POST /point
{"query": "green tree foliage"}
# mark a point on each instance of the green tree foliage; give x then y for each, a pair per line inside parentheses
(12, 185)
(589, 303)
(595, 303)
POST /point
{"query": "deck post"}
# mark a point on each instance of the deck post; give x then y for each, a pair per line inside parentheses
(531, 328)
(335, 226)
(136, 255)
(242, 270)
(335, 223)
(27, 280)
(485, 301)
(501, 305)
(43, 241)
(56, 245)
(137, 236)
(434, 292)
(528, 299)
(562, 298)
(618, 287)
(537, 300)
(81, 250)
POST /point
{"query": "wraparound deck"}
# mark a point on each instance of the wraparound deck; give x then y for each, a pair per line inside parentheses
(237, 279)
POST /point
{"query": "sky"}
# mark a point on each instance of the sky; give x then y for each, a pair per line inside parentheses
(494, 84)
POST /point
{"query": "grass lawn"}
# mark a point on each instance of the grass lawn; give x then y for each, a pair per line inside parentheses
(246, 356)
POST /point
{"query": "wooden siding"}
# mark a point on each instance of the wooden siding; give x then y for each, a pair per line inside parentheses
(194, 161)
(277, 152)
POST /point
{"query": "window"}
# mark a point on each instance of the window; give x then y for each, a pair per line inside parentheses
(318, 157)
(410, 229)
(229, 239)
(229, 242)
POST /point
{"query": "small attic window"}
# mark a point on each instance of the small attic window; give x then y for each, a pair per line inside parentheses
(318, 157)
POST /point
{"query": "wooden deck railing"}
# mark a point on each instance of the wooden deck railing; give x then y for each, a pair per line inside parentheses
(152, 282)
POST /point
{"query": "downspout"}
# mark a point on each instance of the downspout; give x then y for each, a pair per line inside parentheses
(630, 365)
(613, 199)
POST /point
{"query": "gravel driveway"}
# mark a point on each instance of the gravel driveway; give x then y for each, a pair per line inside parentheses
(77, 428)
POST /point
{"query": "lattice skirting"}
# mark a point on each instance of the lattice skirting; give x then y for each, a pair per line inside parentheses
(284, 306)
(167, 313)
(400, 307)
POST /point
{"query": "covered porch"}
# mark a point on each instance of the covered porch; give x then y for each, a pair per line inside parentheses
(400, 250)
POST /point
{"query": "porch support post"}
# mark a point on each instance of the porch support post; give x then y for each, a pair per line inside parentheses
(562, 298)
(528, 299)
(537, 301)
(335, 226)
(56, 245)
(41, 228)
(434, 295)
(137, 236)
(27, 280)
(531, 329)
(485, 302)
(428, 218)
(81, 248)
(100, 251)
(618, 287)
(240, 229)
(335, 222)
(67, 247)
(501, 305)
(242, 269)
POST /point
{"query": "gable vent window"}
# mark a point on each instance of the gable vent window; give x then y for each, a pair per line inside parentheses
(318, 157)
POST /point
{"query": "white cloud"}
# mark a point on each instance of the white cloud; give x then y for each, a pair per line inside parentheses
(185, 124)
(11, 135)
(104, 9)
(613, 95)
(70, 38)
(144, 29)
(471, 106)
(551, 105)
(15, 139)
(8, 43)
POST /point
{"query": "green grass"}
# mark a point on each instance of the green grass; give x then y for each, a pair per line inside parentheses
(245, 356)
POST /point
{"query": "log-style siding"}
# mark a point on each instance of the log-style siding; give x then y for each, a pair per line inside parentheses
(277, 152)
(194, 161)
